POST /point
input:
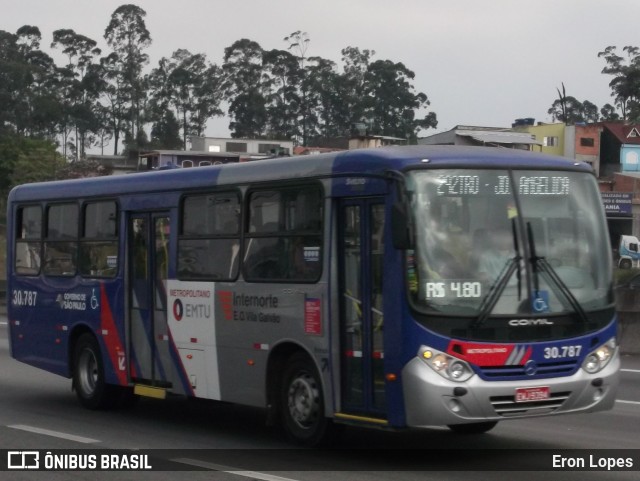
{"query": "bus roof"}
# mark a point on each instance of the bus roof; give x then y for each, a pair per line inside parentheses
(354, 162)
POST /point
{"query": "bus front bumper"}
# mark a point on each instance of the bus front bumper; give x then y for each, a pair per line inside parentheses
(430, 399)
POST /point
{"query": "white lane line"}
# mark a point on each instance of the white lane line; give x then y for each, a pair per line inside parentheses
(630, 370)
(231, 470)
(55, 434)
(628, 402)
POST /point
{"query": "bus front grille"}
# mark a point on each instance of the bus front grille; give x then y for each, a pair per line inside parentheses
(565, 368)
(506, 406)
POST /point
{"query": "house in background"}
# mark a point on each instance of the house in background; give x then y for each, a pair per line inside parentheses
(118, 164)
(620, 148)
(582, 142)
(549, 137)
(249, 149)
(368, 141)
(165, 159)
(300, 150)
(484, 136)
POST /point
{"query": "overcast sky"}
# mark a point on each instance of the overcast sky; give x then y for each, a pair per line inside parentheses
(480, 62)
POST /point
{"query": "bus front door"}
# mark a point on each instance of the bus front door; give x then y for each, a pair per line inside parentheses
(148, 272)
(361, 247)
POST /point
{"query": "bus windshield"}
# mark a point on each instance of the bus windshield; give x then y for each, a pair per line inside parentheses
(500, 242)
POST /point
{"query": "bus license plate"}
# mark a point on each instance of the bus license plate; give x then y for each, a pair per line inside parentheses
(528, 394)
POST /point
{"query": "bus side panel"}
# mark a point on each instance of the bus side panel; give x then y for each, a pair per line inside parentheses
(47, 311)
(233, 345)
(36, 334)
(261, 320)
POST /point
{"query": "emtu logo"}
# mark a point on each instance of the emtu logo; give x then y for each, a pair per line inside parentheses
(226, 301)
(178, 309)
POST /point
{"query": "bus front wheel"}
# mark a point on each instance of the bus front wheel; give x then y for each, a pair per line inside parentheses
(302, 402)
(473, 428)
(88, 374)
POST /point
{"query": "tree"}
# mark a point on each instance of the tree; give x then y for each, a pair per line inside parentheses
(590, 112)
(299, 43)
(165, 133)
(26, 75)
(29, 160)
(244, 89)
(128, 36)
(284, 104)
(84, 84)
(625, 85)
(608, 113)
(326, 89)
(208, 97)
(391, 103)
(190, 85)
(114, 97)
(570, 110)
(12, 81)
(355, 65)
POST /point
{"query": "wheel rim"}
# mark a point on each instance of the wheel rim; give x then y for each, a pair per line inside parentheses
(88, 372)
(304, 400)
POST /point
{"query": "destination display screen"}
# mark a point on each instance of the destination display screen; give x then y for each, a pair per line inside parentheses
(469, 185)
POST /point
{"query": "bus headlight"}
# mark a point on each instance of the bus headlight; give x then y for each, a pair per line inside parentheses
(448, 367)
(597, 360)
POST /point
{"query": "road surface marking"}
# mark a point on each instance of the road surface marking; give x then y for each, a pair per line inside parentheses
(55, 434)
(630, 370)
(231, 470)
(627, 402)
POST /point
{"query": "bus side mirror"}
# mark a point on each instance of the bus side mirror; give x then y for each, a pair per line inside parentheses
(401, 231)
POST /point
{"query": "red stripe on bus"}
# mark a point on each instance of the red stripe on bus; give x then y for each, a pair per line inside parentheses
(112, 340)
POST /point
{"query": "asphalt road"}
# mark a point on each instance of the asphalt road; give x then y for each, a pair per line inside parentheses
(38, 411)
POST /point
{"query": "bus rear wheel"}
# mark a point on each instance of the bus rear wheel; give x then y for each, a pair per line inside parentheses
(473, 428)
(88, 374)
(302, 402)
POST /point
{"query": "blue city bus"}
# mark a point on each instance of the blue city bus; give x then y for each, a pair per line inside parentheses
(400, 287)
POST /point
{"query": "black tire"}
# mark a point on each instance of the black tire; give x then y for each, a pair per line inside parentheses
(126, 399)
(302, 403)
(473, 428)
(88, 375)
(625, 264)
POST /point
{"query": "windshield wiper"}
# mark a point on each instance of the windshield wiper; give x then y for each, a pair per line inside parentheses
(542, 263)
(534, 259)
(512, 265)
(518, 257)
(490, 300)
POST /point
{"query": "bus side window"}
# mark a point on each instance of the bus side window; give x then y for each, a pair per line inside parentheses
(284, 235)
(61, 241)
(28, 236)
(98, 255)
(209, 239)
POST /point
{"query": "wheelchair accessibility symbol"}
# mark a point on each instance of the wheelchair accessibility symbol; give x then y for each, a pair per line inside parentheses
(94, 300)
(540, 301)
